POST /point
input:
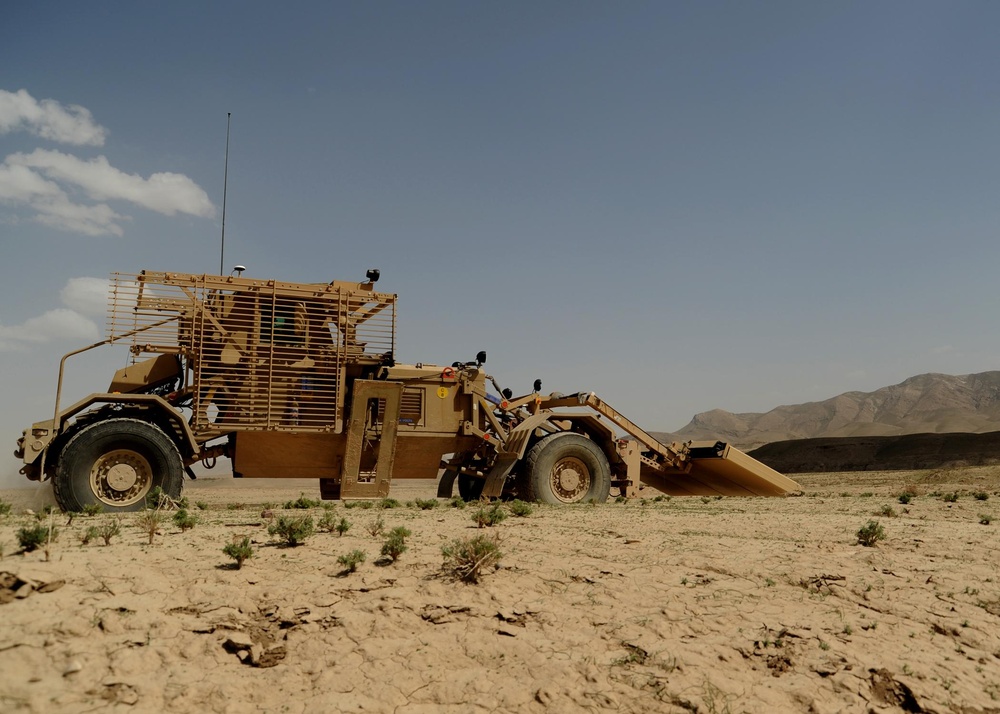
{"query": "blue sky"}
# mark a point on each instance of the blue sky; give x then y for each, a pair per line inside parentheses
(680, 206)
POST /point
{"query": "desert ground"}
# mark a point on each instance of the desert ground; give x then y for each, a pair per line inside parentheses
(670, 605)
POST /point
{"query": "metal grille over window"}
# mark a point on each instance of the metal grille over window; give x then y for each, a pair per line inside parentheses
(258, 354)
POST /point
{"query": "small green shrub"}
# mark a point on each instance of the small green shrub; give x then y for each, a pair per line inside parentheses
(426, 504)
(985, 519)
(389, 503)
(950, 497)
(352, 560)
(343, 525)
(239, 550)
(35, 536)
(149, 521)
(5, 507)
(89, 535)
(621, 499)
(293, 530)
(520, 509)
(866, 494)
(156, 498)
(457, 502)
(366, 505)
(870, 534)
(351, 504)
(109, 529)
(905, 498)
(489, 515)
(980, 495)
(184, 520)
(328, 522)
(376, 527)
(201, 505)
(468, 558)
(395, 544)
(887, 511)
(303, 502)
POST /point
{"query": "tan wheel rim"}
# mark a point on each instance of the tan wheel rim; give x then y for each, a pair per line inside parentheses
(121, 477)
(570, 479)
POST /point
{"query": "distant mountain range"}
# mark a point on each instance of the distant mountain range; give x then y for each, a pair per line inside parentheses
(927, 403)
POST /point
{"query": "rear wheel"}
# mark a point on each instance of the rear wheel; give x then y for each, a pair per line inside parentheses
(568, 468)
(115, 463)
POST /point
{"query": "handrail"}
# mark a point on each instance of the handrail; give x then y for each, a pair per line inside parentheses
(110, 340)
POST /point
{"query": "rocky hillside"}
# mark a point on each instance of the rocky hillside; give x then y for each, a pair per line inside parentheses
(927, 403)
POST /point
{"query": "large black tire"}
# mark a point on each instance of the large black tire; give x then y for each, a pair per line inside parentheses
(567, 468)
(115, 463)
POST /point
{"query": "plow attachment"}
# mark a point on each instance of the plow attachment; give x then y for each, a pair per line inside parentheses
(695, 468)
(718, 469)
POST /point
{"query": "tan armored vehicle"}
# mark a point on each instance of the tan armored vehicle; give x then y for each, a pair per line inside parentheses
(293, 380)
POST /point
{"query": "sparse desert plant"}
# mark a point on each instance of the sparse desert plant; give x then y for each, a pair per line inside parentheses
(866, 494)
(426, 504)
(366, 505)
(870, 533)
(376, 527)
(395, 544)
(156, 497)
(352, 560)
(887, 511)
(468, 558)
(5, 507)
(35, 536)
(184, 520)
(489, 515)
(303, 502)
(351, 504)
(520, 509)
(328, 522)
(389, 503)
(293, 530)
(149, 521)
(109, 529)
(201, 505)
(985, 519)
(239, 549)
(235, 506)
(621, 499)
(457, 502)
(905, 498)
(950, 497)
(93, 509)
(89, 535)
(343, 525)
(980, 495)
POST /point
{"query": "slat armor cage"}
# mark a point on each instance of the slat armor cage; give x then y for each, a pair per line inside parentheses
(256, 354)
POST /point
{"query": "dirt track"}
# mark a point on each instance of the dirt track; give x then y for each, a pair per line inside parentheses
(756, 605)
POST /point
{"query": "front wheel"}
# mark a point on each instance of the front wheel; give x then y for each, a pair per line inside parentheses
(116, 463)
(568, 468)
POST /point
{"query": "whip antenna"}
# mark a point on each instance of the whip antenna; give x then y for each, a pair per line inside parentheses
(225, 186)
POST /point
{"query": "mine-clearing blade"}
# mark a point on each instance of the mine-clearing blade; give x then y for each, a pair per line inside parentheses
(693, 468)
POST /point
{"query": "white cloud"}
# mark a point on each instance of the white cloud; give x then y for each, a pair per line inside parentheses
(51, 183)
(58, 324)
(88, 296)
(49, 119)
(166, 193)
